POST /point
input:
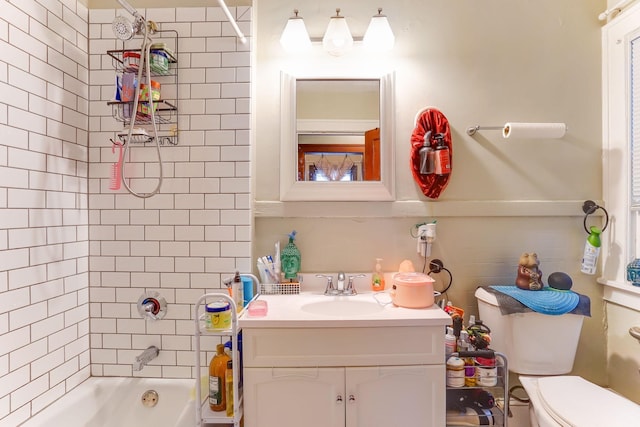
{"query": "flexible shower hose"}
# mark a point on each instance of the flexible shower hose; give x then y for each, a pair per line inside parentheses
(144, 64)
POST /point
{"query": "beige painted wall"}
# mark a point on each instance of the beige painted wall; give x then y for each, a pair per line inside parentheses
(623, 351)
(479, 63)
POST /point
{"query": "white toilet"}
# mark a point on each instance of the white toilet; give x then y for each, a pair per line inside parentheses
(541, 348)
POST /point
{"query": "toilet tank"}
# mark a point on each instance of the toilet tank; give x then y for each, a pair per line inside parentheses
(534, 343)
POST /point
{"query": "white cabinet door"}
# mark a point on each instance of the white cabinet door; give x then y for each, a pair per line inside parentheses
(294, 397)
(407, 396)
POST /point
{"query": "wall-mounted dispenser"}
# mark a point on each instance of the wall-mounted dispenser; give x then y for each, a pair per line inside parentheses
(426, 237)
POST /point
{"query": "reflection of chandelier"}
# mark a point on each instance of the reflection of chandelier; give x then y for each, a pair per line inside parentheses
(333, 172)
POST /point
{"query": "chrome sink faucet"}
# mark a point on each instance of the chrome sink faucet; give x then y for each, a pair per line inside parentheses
(329, 290)
(341, 288)
(145, 357)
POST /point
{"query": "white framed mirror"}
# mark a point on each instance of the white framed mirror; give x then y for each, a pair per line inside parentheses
(337, 138)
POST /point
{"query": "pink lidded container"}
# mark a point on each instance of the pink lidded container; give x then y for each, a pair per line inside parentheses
(258, 308)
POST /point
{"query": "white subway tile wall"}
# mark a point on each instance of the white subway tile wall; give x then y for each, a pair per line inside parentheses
(76, 256)
(44, 228)
(185, 240)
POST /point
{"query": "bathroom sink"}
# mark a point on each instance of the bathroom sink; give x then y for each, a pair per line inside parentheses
(311, 308)
(342, 307)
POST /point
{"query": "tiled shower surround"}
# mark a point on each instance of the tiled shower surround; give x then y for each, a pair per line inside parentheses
(76, 256)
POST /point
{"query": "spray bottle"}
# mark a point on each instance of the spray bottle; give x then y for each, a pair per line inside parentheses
(591, 252)
(426, 156)
(442, 161)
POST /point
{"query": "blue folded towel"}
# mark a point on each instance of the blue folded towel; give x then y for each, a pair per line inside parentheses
(546, 300)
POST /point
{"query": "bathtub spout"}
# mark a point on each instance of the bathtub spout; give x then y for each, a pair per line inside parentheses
(145, 357)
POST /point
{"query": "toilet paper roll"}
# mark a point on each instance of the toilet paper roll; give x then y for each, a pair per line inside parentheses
(534, 130)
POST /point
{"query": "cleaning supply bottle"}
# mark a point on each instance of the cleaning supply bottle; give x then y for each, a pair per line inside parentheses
(591, 252)
(450, 343)
(426, 155)
(228, 381)
(217, 370)
(377, 278)
(237, 291)
(442, 158)
(291, 259)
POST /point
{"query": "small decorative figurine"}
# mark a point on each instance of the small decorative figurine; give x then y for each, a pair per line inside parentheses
(529, 275)
(291, 259)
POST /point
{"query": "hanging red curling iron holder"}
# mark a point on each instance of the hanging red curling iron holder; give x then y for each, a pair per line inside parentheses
(431, 157)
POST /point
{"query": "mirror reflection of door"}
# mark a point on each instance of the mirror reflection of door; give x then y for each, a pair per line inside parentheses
(372, 155)
(338, 130)
(339, 157)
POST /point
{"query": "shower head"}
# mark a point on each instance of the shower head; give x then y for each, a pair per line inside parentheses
(122, 27)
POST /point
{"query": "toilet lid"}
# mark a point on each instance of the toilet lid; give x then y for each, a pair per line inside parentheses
(575, 402)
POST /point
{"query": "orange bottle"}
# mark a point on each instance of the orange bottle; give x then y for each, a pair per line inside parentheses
(217, 370)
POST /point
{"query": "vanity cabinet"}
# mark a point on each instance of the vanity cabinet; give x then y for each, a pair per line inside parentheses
(375, 396)
(344, 377)
(288, 397)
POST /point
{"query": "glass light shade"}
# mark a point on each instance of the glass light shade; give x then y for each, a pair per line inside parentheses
(379, 35)
(337, 39)
(295, 37)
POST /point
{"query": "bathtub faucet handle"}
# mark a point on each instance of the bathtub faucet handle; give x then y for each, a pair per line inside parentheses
(152, 306)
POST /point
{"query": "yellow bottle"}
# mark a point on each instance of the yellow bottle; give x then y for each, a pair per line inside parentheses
(228, 381)
(377, 278)
(217, 370)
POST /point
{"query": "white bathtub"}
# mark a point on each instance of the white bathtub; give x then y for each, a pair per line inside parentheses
(109, 402)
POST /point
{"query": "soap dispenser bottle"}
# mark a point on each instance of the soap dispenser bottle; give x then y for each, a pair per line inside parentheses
(290, 259)
(377, 278)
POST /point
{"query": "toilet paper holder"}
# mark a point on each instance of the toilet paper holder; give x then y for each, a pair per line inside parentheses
(531, 130)
(473, 129)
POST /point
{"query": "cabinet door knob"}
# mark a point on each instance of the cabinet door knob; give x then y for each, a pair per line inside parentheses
(352, 398)
(339, 398)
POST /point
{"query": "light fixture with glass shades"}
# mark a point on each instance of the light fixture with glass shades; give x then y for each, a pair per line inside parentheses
(337, 39)
(379, 35)
(295, 37)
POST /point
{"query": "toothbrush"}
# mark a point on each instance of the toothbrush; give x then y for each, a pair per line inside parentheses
(277, 261)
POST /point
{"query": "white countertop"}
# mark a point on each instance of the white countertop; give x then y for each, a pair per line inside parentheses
(288, 311)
